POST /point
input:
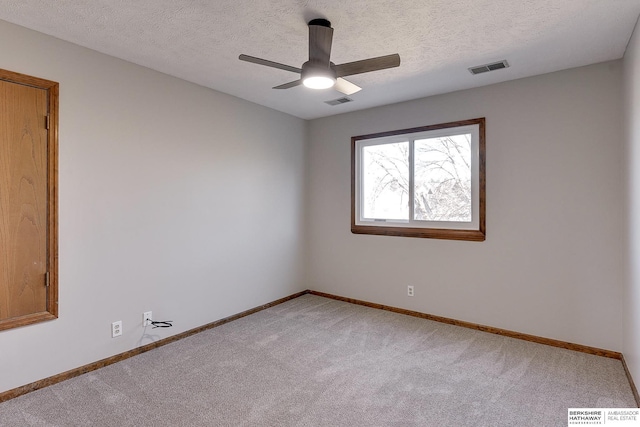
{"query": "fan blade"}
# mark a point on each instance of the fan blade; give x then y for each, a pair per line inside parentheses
(320, 38)
(290, 84)
(271, 64)
(346, 87)
(367, 65)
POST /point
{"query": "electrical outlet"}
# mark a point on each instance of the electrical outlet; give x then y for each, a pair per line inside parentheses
(410, 290)
(116, 329)
(147, 317)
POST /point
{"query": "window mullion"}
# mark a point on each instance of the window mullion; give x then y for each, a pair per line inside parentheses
(411, 182)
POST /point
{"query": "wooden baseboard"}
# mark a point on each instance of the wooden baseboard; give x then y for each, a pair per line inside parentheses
(634, 390)
(19, 391)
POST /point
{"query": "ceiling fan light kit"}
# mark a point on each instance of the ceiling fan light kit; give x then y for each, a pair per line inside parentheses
(318, 82)
(318, 76)
(319, 72)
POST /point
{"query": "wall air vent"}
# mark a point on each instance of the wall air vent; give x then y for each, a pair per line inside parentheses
(489, 67)
(339, 101)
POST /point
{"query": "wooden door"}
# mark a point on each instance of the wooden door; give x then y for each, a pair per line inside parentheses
(28, 241)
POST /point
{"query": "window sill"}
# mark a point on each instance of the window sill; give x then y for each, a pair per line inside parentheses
(429, 233)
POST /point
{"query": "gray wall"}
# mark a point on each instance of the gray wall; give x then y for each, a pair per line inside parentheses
(173, 198)
(632, 127)
(553, 261)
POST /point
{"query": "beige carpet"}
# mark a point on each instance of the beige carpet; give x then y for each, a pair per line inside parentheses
(318, 362)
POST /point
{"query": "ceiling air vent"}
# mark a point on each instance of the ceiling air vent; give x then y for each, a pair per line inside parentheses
(489, 67)
(339, 101)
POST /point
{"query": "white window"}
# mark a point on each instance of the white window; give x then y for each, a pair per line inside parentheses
(421, 182)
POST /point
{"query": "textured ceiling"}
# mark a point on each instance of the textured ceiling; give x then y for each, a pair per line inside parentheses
(200, 40)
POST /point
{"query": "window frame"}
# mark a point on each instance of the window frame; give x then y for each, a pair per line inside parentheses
(412, 228)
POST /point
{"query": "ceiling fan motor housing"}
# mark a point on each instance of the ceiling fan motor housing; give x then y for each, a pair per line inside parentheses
(317, 72)
(314, 69)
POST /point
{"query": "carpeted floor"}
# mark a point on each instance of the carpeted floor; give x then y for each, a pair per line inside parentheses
(313, 361)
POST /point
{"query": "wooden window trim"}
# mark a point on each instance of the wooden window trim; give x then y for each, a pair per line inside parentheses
(52, 88)
(478, 235)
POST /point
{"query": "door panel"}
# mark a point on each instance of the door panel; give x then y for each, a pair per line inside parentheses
(23, 200)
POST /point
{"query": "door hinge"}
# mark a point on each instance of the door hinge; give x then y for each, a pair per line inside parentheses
(46, 279)
(47, 120)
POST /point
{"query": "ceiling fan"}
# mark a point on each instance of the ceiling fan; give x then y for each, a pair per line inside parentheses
(319, 72)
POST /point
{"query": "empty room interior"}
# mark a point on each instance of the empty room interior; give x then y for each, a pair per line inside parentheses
(183, 183)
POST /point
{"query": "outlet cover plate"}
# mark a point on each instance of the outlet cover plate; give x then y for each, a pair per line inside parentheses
(116, 329)
(147, 317)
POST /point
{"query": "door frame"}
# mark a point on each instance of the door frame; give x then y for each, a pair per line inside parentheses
(51, 121)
